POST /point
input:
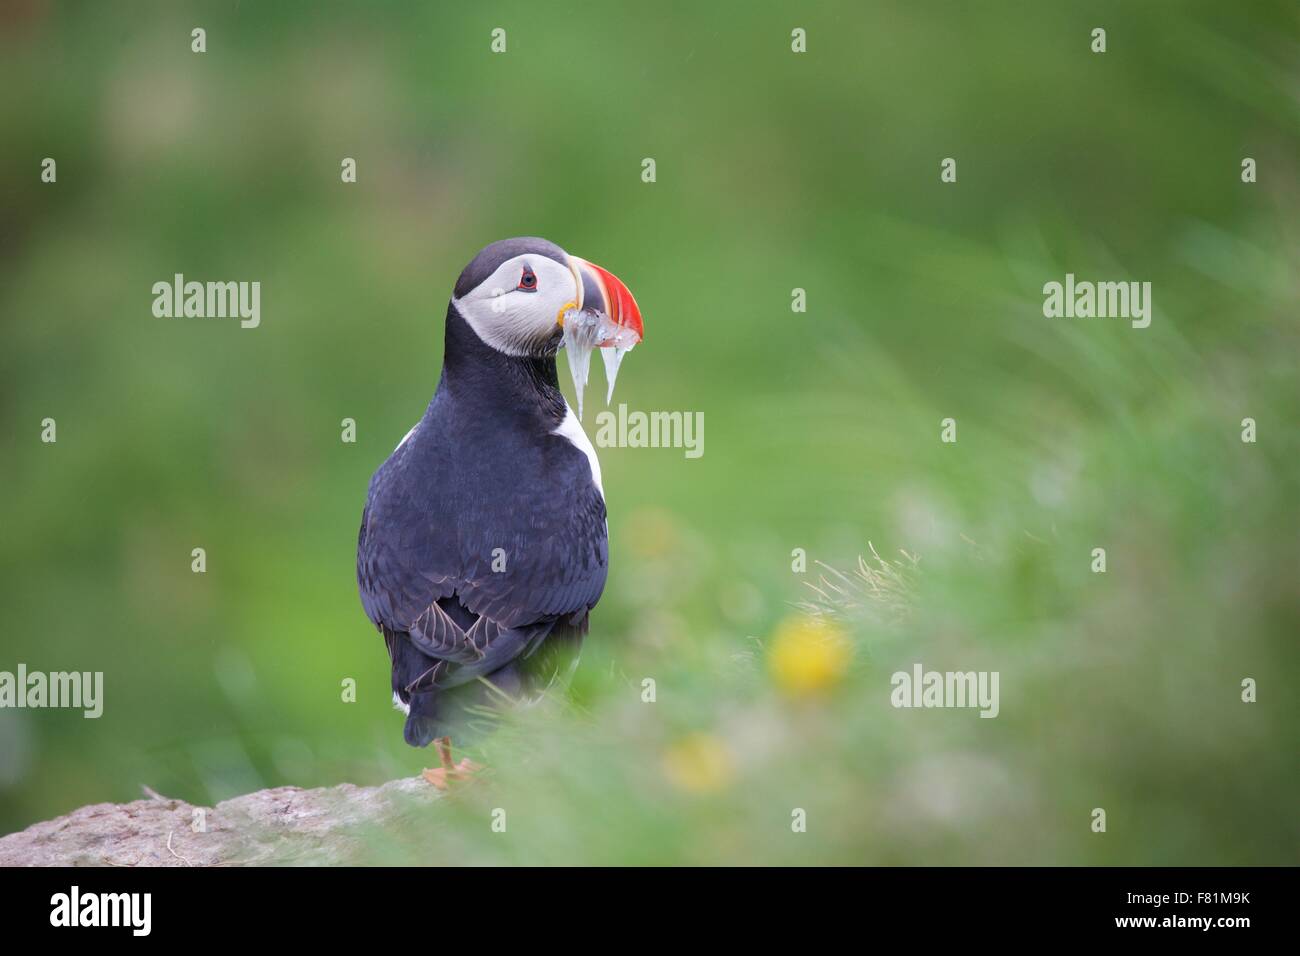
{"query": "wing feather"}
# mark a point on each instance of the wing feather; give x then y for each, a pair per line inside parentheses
(434, 526)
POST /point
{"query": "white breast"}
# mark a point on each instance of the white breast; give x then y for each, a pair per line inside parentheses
(407, 436)
(571, 429)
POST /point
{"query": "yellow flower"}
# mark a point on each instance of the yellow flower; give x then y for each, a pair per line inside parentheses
(698, 763)
(808, 655)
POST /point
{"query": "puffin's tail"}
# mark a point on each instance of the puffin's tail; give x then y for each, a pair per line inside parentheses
(462, 711)
(444, 699)
(411, 671)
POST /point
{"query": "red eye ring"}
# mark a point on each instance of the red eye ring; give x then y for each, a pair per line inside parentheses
(527, 281)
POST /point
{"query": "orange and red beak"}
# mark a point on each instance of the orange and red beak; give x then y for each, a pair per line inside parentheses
(600, 289)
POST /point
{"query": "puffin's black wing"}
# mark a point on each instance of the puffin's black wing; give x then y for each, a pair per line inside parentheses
(475, 555)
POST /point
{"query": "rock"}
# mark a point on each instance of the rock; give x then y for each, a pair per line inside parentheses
(286, 825)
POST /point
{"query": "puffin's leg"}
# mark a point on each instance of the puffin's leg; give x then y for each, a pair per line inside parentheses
(441, 776)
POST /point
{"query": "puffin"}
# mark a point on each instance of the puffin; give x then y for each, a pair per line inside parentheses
(483, 545)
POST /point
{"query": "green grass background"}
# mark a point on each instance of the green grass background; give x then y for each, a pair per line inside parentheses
(775, 171)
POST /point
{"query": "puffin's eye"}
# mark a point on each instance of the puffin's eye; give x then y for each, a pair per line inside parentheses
(527, 281)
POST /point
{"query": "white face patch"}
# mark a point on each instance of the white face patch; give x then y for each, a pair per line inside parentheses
(571, 429)
(514, 320)
(404, 708)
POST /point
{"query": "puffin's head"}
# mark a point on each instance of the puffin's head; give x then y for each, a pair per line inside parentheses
(516, 292)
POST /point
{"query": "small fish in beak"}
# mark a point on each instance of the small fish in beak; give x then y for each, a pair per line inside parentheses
(605, 317)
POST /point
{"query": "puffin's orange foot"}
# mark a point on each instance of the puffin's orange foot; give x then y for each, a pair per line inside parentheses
(442, 777)
(437, 776)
